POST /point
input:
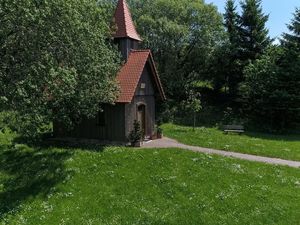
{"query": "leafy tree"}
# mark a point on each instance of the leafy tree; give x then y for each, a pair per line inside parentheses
(56, 61)
(260, 87)
(184, 36)
(253, 32)
(273, 92)
(193, 104)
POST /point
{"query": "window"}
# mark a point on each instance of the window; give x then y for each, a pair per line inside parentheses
(142, 89)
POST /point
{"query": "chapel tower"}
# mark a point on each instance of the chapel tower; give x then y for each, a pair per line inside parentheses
(126, 35)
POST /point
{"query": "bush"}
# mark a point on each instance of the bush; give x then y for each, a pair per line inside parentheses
(136, 134)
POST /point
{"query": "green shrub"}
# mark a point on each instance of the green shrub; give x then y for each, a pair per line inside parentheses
(136, 134)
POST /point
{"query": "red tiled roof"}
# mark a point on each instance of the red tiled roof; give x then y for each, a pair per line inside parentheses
(124, 23)
(131, 72)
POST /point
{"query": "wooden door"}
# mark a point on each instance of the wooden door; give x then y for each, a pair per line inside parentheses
(141, 117)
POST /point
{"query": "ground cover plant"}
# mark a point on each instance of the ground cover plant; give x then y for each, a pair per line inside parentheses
(115, 185)
(271, 145)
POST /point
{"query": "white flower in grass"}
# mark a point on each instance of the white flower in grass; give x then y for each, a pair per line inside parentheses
(237, 168)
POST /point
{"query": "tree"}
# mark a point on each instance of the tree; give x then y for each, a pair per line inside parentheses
(291, 43)
(273, 81)
(292, 40)
(56, 61)
(193, 104)
(184, 36)
(272, 92)
(230, 54)
(231, 22)
(253, 32)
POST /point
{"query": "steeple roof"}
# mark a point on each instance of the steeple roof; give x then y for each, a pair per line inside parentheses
(124, 23)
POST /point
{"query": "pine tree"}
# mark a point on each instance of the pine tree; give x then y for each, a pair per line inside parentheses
(292, 39)
(273, 82)
(291, 45)
(233, 71)
(231, 18)
(253, 31)
(290, 65)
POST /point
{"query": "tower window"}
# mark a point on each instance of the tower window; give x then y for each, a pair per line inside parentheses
(142, 89)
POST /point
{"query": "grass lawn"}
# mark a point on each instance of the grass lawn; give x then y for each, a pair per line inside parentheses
(278, 146)
(116, 185)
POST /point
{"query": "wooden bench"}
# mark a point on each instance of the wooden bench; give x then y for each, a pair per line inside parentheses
(233, 129)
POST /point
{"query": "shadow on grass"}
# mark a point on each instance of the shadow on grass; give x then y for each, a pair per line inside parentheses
(31, 168)
(291, 137)
(28, 173)
(64, 143)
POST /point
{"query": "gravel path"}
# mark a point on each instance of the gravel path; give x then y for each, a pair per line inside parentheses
(170, 143)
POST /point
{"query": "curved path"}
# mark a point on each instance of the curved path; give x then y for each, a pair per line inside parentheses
(170, 143)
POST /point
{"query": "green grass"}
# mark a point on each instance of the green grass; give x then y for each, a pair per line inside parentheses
(116, 185)
(278, 146)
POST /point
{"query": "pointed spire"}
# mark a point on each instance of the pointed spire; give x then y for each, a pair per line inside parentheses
(124, 23)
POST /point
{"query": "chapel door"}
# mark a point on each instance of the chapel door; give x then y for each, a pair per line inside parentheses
(141, 117)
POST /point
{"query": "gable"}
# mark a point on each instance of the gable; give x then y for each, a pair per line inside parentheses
(146, 83)
(131, 73)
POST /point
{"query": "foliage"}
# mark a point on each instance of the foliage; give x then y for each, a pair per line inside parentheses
(9, 120)
(56, 61)
(292, 40)
(193, 104)
(253, 32)
(159, 130)
(247, 40)
(272, 83)
(112, 185)
(184, 36)
(231, 117)
(136, 134)
(255, 143)
(230, 54)
(265, 96)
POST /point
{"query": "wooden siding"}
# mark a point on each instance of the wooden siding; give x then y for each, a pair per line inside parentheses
(125, 45)
(146, 97)
(114, 129)
(120, 117)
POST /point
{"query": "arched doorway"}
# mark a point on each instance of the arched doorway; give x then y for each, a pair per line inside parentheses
(141, 117)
